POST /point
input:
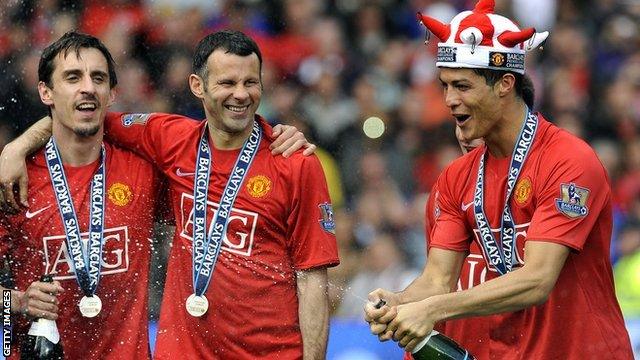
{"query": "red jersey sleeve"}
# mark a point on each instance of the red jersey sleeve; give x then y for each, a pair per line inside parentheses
(449, 230)
(571, 196)
(152, 136)
(430, 212)
(311, 221)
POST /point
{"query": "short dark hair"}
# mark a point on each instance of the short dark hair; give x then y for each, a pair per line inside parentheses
(75, 41)
(233, 42)
(524, 86)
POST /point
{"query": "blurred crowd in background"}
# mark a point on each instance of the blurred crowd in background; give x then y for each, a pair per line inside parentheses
(331, 64)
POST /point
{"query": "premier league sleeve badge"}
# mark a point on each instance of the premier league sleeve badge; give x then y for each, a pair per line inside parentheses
(573, 202)
(327, 222)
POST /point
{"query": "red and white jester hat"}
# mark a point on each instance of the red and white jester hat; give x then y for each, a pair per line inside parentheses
(480, 39)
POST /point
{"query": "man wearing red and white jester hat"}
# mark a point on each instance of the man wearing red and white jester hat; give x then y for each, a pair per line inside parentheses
(534, 199)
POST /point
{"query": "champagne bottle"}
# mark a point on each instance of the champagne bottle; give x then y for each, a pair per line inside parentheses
(43, 340)
(436, 346)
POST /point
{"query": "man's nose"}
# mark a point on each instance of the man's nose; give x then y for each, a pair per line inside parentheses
(87, 85)
(241, 92)
(451, 98)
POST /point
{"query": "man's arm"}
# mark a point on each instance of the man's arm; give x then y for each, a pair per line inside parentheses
(13, 169)
(438, 277)
(313, 311)
(527, 286)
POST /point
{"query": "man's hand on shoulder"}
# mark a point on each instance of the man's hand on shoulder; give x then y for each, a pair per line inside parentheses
(13, 173)
(288, 140)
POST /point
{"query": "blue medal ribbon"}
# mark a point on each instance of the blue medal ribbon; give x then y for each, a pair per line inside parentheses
(207, 248)
(86, 264)
(504, 255)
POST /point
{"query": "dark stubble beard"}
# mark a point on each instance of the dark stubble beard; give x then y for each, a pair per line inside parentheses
(87, 132)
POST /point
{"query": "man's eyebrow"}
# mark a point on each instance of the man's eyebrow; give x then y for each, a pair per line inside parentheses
(79, 72)
(459, 82)
(99, 72)
(71, 72)
(453, 82)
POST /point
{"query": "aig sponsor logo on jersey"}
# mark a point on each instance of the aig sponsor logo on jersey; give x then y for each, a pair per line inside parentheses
(473, 272)
(240, 231)
(574, 201)
(518, 241)
(115, 254)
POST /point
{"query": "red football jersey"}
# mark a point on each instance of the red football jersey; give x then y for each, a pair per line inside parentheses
(561, 196)
(36, 243)
(281, 222)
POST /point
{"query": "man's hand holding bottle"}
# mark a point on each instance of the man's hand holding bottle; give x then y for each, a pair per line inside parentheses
(38, 301)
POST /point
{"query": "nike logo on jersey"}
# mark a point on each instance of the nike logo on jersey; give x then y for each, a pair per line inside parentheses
(30, 214)
(183, 174)
(466, 206)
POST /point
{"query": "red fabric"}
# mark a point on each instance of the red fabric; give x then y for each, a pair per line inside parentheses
(581, 318)
(286, 51)
(425, 169)
(130, 16)
(482, 23)
(253, 311)
(120, 331)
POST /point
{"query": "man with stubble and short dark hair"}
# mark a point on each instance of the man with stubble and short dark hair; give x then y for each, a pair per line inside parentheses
(85, 194)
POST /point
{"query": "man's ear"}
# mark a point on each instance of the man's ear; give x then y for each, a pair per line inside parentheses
(112, 96)
(45, 94)
(506, 83)
(196, 84)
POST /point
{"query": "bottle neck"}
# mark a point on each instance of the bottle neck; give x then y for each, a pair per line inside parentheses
(46, 328)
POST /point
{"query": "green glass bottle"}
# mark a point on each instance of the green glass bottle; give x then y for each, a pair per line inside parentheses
(438, 346)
